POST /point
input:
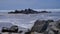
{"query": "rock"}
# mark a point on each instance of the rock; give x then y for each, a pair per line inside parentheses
(27, 11)
(40, 26)
(5, 29)
(45, 12)
(14, 28)
(58, 24)
(20, 31)
(55, 31)
(50, 21)
(29, 32)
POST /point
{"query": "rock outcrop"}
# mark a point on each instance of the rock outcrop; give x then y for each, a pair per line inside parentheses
(12, 29)
(41, 25)
(27, 11)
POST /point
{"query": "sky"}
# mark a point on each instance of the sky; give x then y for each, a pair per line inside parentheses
(33, 4)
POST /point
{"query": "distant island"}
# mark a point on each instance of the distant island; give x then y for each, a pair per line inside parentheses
(27, 11)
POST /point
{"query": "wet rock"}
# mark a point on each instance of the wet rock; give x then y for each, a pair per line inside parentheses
(40, 26)
(5, 29)
(14, 28)
(27, 11)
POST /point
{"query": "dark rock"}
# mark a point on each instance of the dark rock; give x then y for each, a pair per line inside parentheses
(14, 28)
(58, 25)
(5, 29)
(29, 32)
(5, 26)
(50, 21)
(20, 31)
(28, 11)
(0, 33)
(55, 31)
(44, 27)
(40, 26)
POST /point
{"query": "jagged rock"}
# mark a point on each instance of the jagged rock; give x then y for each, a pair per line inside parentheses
(40, 26)
(28, 11)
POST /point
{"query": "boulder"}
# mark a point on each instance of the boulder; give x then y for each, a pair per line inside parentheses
(14, 28)
(5, 29)
(40, 26)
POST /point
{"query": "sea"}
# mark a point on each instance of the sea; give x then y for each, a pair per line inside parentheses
(25, 21)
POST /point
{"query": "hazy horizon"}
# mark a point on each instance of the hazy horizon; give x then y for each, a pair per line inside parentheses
(34, 4)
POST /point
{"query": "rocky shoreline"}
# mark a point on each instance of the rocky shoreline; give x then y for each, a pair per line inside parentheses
(40, 26)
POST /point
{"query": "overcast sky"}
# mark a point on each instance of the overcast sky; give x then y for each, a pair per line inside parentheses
(34, 4)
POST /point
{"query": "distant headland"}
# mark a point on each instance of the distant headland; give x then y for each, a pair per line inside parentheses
(27, 11)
